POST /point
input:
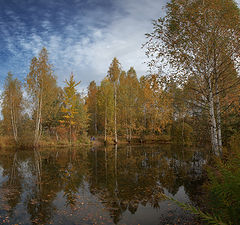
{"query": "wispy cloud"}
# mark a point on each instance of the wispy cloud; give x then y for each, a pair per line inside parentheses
(81, 36)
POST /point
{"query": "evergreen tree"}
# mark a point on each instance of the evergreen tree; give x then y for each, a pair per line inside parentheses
(74, 114)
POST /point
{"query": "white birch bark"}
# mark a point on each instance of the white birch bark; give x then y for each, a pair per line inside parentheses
(105, 125)
(115, 113)
(13, 119)
(38, 117)
(214, 137)
(219, 132)
(95, 119)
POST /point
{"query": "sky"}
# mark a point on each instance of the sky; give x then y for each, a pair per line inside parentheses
(81, 36)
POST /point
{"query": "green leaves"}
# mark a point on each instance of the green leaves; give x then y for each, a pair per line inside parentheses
(74, 113)
(210, 219)
(224, 188)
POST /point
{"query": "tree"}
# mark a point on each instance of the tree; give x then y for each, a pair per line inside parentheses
(128, 101)
(200, 40)
(82, 116)
(92, 107)
(69, 108)
(12, 104)
(105, 99)
(43, 91)
(113, 74)
(156, 103)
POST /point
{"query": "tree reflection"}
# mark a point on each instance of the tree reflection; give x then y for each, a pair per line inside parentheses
(136, 177)
(122, 178)
(11, 188)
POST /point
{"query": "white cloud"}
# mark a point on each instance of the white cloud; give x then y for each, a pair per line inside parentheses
(123, 37)
(88, 42)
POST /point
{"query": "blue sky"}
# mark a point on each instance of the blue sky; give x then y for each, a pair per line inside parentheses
(82, 36)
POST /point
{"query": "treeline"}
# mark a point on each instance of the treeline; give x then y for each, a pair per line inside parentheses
(121, 106)
(38, 109)
(159, 108)
(149, 108)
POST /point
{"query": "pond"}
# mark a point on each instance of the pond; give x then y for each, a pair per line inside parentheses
(99, 185)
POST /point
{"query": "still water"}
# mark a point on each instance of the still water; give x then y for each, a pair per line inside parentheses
(99, 185)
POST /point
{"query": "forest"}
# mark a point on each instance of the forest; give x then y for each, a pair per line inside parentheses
(122, 108)
(196, 101)
(189, 97)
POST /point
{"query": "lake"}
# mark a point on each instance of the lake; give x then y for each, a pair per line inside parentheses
(99, 185)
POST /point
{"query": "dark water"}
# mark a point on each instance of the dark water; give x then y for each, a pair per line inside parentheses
(99, 186)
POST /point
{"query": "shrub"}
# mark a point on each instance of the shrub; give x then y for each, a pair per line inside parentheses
(224, 188)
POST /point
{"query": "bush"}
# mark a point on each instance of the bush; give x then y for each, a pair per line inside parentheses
(224, 188)
(223, 191)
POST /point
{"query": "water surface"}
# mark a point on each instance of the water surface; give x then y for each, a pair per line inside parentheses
(99, 185)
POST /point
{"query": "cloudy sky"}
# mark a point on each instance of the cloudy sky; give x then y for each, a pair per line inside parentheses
(82, 36)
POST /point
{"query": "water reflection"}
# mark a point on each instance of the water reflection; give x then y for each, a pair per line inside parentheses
(105, 185)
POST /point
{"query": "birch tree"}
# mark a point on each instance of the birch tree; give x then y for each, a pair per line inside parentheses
(41, 87)
(199, 39)
(113, 74)
(128, 101)
(91, 102)
(105, 99)
(12, 105)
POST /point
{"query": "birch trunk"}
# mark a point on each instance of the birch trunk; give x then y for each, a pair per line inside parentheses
(95, 120)
(130, 128)
(13, 124)
(145, 117)
(70, 138)
(105, 125)
(13, 119)
(214, 138)
(115, 113)
(106, 166)
(219, 132)
(38, 117)
(37, 124)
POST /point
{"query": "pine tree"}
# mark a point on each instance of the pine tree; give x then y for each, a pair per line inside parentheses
(69, 108)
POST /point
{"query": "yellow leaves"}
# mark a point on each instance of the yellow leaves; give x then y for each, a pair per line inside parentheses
(74, 112)
(114, 70)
